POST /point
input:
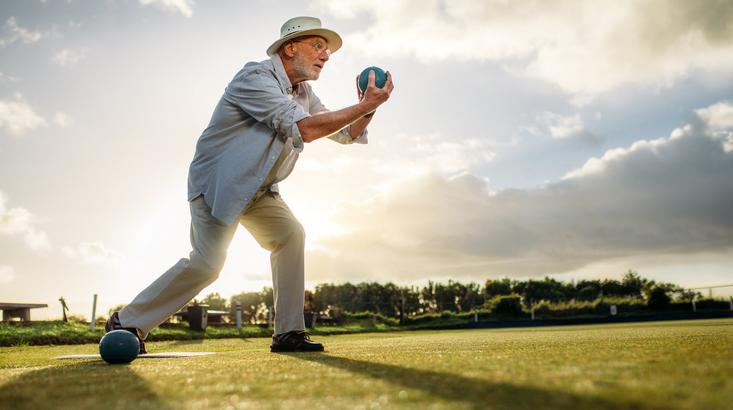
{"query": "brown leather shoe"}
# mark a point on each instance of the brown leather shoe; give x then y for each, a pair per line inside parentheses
(294, 341)
(113, 323)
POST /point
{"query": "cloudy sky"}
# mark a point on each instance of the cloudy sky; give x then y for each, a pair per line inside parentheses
(576, 139)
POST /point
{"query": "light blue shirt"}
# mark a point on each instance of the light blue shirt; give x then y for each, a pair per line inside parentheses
(253, 122)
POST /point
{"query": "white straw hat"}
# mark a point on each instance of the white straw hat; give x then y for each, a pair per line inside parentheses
(305, 26)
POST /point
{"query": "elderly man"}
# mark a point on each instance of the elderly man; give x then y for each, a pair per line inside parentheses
(258, 128)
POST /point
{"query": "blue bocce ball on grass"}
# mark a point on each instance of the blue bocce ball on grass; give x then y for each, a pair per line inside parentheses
(119, 346)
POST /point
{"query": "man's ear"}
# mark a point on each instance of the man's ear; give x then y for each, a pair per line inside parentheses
(289, 49)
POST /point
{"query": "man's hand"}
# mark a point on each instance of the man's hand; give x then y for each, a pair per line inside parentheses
(358, 115)
(373, 96)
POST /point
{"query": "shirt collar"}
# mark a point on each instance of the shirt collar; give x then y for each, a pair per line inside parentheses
(282, 77)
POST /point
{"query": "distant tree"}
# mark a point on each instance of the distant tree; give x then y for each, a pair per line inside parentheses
(633, 284)
(309, 305)
(496, 287)
(588, 293)
(391, 299)
(670, 288)
(325, 297)
(509, 305)
(378, 298)
(329, 298)
(368, 296)
(444, 297)
(268, 297)
(612, 287)
(215, 302)
(658, 299)
(466, 296)
(686, 295)
(535, 290)
(410, 301)
(385, 299)
(427, 297)
(252, 306)
(453, 296)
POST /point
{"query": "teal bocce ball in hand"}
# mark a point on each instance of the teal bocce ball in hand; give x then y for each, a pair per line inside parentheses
(380, 77)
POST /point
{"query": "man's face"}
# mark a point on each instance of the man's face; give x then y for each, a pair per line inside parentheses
(310, 55)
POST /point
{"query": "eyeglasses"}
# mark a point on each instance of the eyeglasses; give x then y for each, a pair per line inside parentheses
(318, 46)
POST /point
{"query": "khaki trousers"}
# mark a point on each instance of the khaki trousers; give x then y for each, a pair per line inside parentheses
(274, 227)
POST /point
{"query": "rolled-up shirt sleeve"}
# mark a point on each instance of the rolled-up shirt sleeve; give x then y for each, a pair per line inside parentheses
(259, 95)
(344, 136)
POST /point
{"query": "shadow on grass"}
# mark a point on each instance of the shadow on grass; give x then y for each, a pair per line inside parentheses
(84, 385)
(189, 342)
(196, 342)
(478, 394)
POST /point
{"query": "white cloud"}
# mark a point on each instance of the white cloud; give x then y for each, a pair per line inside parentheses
(18, 221)
(714, 122)
(37, 240)
(13, 32)
(718, 119)
(560, 126)
(68, 57)
(73, 24)
(718, 116)
(185, 7)
(62, 119)
(18, 117)
(418, 155)
(4, 78)
(435, 153)
(7, 274)
(14, 220)
(93, 253)
(586, 48)
(353, 176)
(666, 196)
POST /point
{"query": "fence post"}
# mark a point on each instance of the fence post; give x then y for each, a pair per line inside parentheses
(694, 307)
(93, 321)
(239, 315)
(64, 308)
(402, 308)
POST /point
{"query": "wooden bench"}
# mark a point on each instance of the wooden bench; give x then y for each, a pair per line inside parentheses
(19, 310)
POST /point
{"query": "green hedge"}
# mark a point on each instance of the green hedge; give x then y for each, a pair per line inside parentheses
(581, 308)
(60, 333)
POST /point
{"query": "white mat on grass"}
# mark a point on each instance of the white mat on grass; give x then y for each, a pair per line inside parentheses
(162, 355)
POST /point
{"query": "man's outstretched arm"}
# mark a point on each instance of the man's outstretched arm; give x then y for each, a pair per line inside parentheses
(325, 124)
(358, 126)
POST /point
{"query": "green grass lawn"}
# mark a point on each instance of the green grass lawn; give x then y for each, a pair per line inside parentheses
(661, 365)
